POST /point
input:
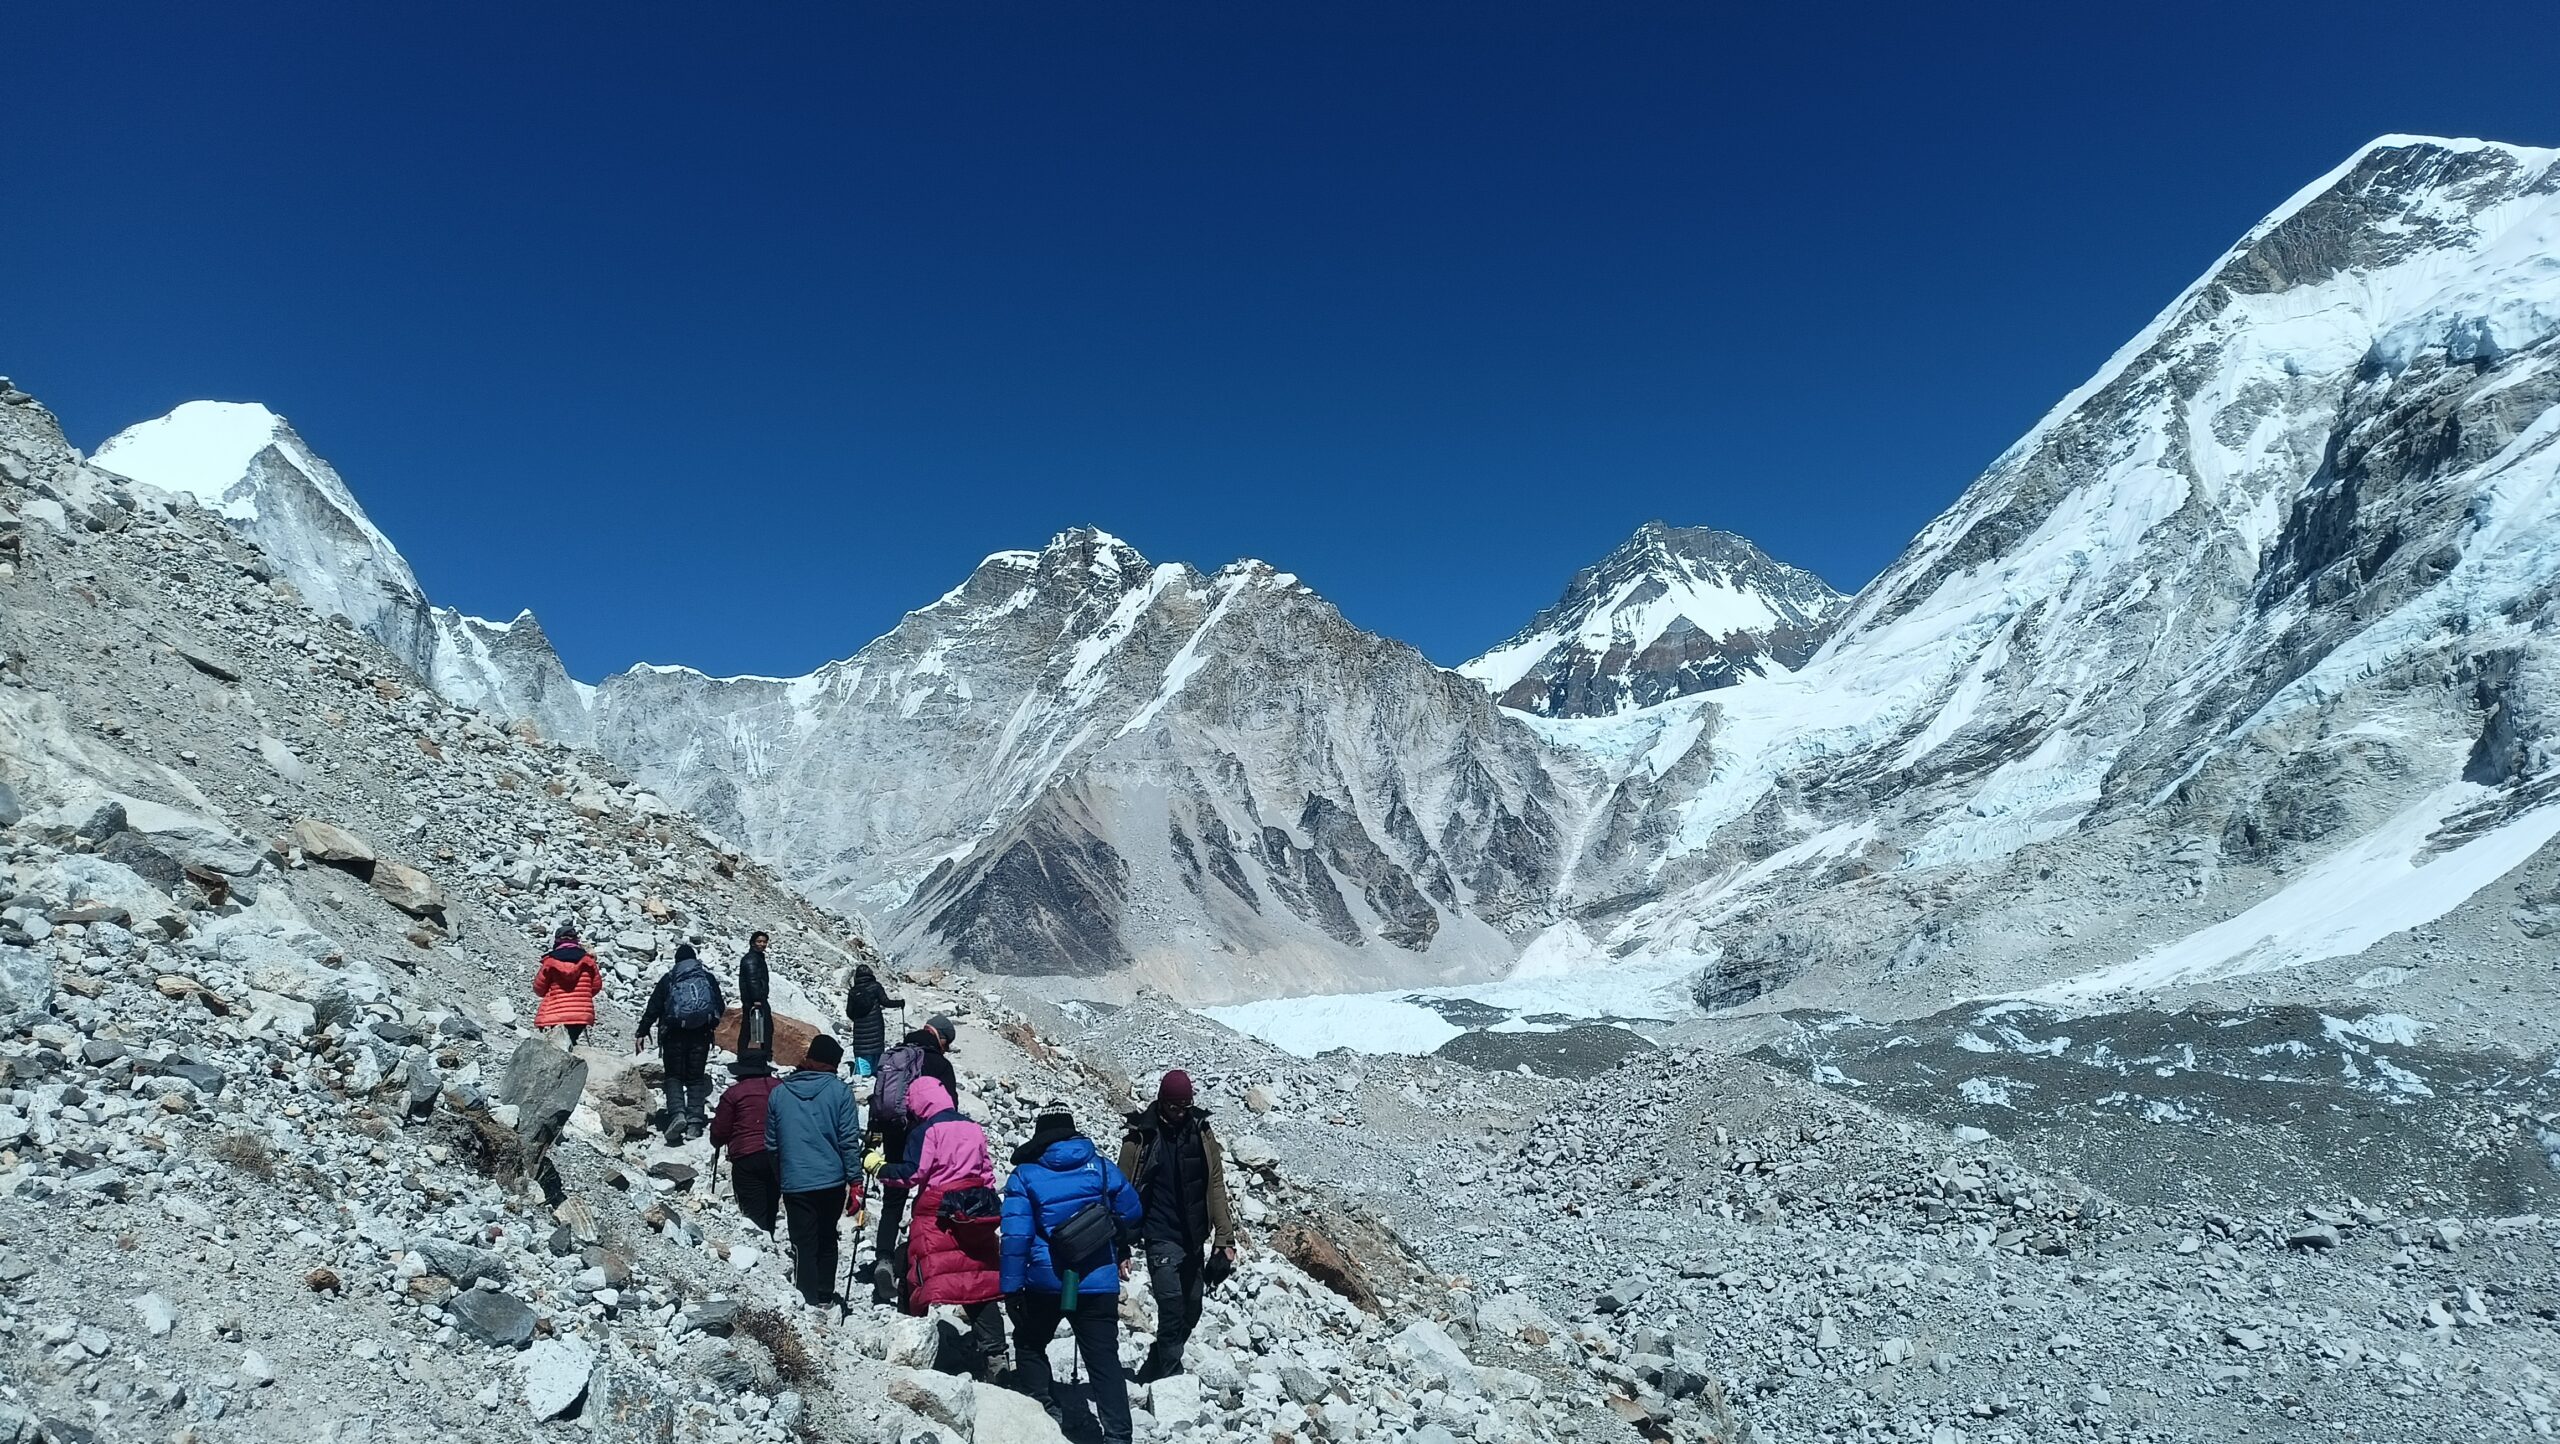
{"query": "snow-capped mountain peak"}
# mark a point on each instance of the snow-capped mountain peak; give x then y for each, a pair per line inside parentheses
(1672, 610)
(248, 465)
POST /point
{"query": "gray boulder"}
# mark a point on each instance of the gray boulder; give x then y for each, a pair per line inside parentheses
(27, 984)
(544, 1082)
(494, 1318)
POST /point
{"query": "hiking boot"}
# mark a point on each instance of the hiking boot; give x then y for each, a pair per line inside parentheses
(675, 1135)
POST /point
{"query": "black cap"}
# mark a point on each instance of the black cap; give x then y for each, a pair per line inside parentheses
(825, 1054)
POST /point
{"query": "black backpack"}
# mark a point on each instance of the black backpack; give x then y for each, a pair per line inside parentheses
(693, 1000)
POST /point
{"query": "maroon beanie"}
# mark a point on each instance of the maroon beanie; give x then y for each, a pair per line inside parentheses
(1176, 1087)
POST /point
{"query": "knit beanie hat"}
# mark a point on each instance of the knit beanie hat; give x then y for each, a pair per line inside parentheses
(825, 1054)
(1056, 1123)
(944, 1026)
(1176, 1087)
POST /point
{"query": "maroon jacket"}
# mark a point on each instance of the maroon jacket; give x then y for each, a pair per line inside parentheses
(739, 1124)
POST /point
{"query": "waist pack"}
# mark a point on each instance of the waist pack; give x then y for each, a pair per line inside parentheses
(1083, 1243)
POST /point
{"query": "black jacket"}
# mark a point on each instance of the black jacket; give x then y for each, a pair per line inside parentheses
(864, 1003)
(755, 982)
(1180, 1176)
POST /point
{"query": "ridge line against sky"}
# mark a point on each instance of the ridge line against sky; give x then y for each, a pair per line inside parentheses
(733, 338)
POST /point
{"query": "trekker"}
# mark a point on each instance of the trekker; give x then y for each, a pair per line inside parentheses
(739, 1127)
(814, 1128)
(1180, 1172)
(684, 1008)
(565, 984)
(867, 1004)
(954, 1253)
(755, 996)
(1057, 1176)
(925, 1053)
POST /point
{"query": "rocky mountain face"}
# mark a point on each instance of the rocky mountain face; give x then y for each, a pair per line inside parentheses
(2239, 660)
(242, 462)
(1672, 611)
(1080, 762)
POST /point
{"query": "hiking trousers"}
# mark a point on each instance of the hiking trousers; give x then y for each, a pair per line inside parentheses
(686, 1055)
(814, 1214)
(1096, 1323)
(1176, 1274)
(757, 1178)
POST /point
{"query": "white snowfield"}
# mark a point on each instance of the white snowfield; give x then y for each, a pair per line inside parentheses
(2382, 884)
(2209, 655)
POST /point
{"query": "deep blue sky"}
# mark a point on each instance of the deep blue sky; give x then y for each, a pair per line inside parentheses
(725, 334)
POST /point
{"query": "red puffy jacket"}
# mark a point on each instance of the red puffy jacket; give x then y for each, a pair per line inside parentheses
(565, 987)
(959, 1261)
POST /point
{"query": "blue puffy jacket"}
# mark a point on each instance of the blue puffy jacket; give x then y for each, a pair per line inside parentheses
(1043, 1195)
(815, 1129)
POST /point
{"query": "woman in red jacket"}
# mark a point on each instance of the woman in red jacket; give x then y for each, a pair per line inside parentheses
(955, 1250)
(565, 986)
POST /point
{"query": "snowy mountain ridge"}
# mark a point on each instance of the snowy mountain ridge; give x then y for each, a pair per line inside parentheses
(1672, 610)
(2258, 616)
(247, 465)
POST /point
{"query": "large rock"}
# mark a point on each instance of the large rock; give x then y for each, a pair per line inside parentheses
(281, 760)
(409, 890)
(1005, 1417)
(946, 1399)
(492, 1317)
(790, 1037)
(1323, 1260)
(545, 1083)
(189, 839)
(556, 1375)
(463, 1264)
(27, 984)
(1435, 1357)
(81, 879)
(628, 1409)
(332, 845)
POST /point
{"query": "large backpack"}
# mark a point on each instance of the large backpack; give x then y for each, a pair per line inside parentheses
(693, 1000)
(899, 1067)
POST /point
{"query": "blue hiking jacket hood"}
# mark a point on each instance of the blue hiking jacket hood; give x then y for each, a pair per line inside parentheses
(1042, 1195)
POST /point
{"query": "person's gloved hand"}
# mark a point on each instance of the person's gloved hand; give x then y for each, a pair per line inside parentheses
(874, 1161)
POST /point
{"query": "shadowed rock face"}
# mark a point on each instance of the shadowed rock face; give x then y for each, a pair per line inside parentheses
(1080, 762)
(1672, 611)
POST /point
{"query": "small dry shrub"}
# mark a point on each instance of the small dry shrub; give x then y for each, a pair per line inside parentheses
(775, 1332)
(246, 1152)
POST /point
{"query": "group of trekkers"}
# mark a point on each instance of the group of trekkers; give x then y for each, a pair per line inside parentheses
(1046, 1249)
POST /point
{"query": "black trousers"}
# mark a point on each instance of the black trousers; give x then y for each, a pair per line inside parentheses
(893, 1200)
(1176, 1276)
(1096, 1322)
(814, 1215)
(757, 1177)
